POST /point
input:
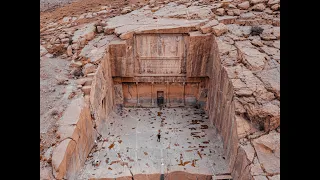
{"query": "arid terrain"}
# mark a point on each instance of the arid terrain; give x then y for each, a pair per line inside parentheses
(232, 56)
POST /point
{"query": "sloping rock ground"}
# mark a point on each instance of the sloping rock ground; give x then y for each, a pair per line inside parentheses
(250, 59)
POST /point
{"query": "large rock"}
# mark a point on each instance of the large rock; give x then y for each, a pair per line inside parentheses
(43, 51)
(208, 27)
(275, 7)
(220, 12)
(69, 51)
(271, 51)
(272, 2)
(276, 32)
(276, 44)
(88, 68)
(251, 57)
(244, 5)
(219, 29)
(96, 48)
(271, 80)
(241, 31)
(259, 7)
(257, 1)
(87, 31)
(268, 152)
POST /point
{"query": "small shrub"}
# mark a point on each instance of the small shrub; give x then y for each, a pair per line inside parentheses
(256, 30)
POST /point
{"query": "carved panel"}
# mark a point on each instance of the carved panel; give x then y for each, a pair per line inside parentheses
(160, 54)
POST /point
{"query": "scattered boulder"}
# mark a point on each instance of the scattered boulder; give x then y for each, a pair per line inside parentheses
(257, 1)
(219, 29)
(219, 12)
(272, 2)
(69, 50)
(208, 27)
(99, 29)
(236, 12)
(244, 5)
(43, 51)
(259, 7)
(88, 68)
(275, 7)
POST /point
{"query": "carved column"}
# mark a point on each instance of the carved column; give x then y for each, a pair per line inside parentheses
(152, 102)
(138, 103)
(184, 89)
(167, 89)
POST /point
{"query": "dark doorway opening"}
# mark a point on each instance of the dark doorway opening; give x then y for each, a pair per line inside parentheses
(160, 98)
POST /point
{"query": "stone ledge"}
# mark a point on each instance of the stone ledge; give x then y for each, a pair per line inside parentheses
(76, 130)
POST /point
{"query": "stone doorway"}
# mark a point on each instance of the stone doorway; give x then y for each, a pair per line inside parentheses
(160, 98)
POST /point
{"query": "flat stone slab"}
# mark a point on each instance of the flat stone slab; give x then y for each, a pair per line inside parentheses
(145, 21)
(189, 143)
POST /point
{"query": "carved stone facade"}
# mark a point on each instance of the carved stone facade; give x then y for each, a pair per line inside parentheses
(172, 64)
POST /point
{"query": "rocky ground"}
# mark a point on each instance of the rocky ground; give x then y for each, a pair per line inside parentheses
(73, 38)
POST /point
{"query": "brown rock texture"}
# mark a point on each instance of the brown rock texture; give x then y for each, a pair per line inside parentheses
(78, 135)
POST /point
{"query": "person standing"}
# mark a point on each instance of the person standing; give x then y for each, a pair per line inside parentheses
(158, 136)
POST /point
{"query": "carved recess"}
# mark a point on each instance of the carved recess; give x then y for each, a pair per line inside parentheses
(160, 54)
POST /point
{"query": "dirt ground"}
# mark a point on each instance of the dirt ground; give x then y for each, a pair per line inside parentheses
(83, 6)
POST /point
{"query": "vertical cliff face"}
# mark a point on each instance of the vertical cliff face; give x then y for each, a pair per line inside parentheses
(220, 104)
(244, 109)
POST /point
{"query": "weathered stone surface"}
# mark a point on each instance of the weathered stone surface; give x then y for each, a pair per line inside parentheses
(172, 10)
(101, 94)
(87, 31)
(271, 80)
(88, 68)
(236, 12)
(259, 7)
(243, 128)
(257, 42)
(268, 151)
(76, 129)
(276, 44)
(220, 12)
(275, 177)
(275, 7)
(276, 32)
(227, 19)
(58, 159)
(208, 27)
(255, 168)
(257, 1)
(268, 32)
(127, 35)
(69, 51)
(96, 49)
(43, 51)
(86, 90)
(100, 29)
(241, 31)
(260, 178)
(219, 29)
(251, 57)
(244, 5)
(82, 81)
(271, 51)
(271, 2)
